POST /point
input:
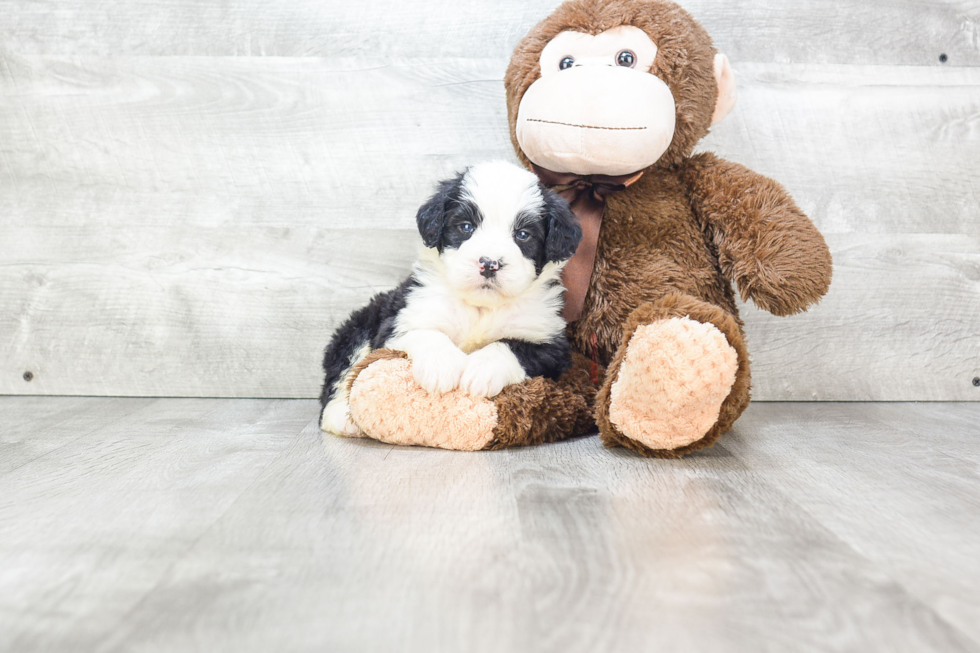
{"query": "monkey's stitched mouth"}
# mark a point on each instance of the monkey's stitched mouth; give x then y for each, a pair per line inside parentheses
(568, 124)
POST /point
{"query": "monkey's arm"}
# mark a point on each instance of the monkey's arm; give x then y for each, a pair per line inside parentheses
(765, 243)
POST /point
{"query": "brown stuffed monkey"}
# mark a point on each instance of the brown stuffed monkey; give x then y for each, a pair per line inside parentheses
(606, 102)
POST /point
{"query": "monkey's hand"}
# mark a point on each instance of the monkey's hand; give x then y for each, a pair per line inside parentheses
(765, 244)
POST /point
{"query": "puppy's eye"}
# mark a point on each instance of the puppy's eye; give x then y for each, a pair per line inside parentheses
(565, 63)
(626, 59)
(466, 227)
(522, 235)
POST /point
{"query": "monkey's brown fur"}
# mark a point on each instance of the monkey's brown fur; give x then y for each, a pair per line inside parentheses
(670, 245)
(539, 410)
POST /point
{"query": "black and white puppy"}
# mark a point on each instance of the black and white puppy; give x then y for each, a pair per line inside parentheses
(482, 307)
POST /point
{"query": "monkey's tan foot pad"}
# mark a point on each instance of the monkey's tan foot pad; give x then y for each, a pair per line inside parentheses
(388, 405)
(672, 382)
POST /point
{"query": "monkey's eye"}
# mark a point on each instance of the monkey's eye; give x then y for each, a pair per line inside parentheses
(625, 58)
(567, 62)
(522, 235)
(466, 227)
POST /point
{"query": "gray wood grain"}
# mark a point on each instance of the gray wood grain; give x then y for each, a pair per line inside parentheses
(236, 525)
(126, 500)
(35, 426)
(226, 141)
(196, 226)
(872, 149)
(213, 141)
(900, 321)
(818, 31)
(915, 465)
(179, 319)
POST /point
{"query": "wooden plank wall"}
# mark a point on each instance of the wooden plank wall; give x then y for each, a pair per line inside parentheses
(192, 197)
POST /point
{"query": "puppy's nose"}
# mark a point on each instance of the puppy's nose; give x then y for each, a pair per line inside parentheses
(488, 267)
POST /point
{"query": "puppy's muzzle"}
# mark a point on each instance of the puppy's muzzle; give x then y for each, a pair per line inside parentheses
(489, 267)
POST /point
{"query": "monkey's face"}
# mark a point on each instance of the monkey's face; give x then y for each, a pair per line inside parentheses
(614, 87)
(596, 108)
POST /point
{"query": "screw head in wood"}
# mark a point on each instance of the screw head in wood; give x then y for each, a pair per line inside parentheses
(976, 382)
(943, 58)
(28, 376)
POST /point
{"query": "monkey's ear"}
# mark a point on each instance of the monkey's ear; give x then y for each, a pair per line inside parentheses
(564, 232)
(725, 77)
(431, 217)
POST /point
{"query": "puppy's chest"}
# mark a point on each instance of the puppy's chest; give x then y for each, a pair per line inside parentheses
(469, 327)
(477, 328)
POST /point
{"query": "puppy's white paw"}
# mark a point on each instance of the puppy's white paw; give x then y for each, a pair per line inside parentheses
(336, 419)
(490, 370)
(439, 369)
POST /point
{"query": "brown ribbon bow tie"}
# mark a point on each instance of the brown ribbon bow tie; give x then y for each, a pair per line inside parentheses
(586, 194)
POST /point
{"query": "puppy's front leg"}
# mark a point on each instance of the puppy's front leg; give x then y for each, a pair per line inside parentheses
(500, 364)
(437, 363)
(490, 370)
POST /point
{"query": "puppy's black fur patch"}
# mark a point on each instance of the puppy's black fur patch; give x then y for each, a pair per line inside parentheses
(371, 324)
(554, 234)
(440, 218)
(548, 359)
(564, 232)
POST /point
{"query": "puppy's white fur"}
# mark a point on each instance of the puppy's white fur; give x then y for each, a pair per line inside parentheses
(452, 325)
(502, 191)
(454, 319)
(491, 369)
(336, 414)
(455, 302)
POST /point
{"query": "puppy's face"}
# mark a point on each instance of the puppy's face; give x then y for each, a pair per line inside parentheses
(496, 228)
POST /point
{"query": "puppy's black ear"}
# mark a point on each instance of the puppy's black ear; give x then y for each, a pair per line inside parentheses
(564, 232)
(431, 218)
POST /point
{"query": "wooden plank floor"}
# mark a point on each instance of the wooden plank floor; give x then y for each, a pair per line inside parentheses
(232, 525)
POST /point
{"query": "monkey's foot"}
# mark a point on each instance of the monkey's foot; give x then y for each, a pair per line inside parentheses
(388, 405)
(668, 391)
